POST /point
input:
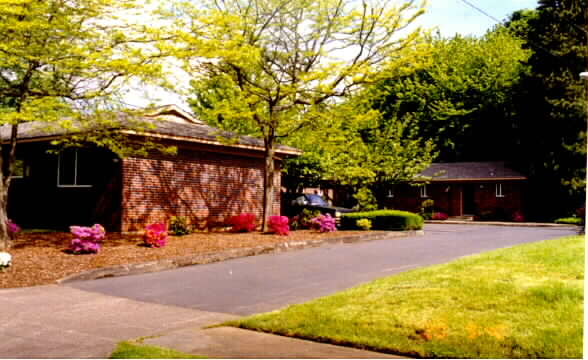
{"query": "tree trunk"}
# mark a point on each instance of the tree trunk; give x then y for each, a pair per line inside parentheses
(5, 241)
(268, 181)
(5, 177)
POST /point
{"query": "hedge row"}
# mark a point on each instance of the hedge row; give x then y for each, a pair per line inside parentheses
(383, 220)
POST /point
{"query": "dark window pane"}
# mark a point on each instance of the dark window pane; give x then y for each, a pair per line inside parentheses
(66, 175)
(85, 167)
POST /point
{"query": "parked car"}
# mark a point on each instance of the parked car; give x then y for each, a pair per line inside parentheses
(314, 202)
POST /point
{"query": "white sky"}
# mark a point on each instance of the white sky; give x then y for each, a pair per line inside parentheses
(448, 16)
(456, 16)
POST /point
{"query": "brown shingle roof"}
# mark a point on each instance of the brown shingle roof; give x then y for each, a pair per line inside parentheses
(495, 170)
(188, 129)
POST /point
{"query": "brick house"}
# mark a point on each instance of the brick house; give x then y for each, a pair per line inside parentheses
(207, 181)
(485, 190)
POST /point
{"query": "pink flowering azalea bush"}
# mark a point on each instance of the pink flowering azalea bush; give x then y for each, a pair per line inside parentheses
(439, 216)
(518, 217)
(12, 228)
(242, 223)
(279, 225)
(155, 235)
(86, 239)
(324, 223)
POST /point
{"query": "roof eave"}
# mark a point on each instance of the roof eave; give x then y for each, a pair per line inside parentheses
(475, 179)
(284, 152)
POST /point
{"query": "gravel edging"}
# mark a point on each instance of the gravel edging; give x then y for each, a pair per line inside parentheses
(168, 264)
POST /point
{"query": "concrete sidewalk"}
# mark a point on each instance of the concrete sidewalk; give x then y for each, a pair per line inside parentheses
(233, 343)
(61, 322)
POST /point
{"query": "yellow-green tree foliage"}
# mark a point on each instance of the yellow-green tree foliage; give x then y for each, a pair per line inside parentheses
(280, 62)
(61, 58)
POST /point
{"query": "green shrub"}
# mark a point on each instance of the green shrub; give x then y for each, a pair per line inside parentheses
(304, 219)
(383, 220)
(427, 209)
(366, 201)
(364, 224)
(570, 220)
(178, 225)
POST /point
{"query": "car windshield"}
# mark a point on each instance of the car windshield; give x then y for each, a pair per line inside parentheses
(316, 200)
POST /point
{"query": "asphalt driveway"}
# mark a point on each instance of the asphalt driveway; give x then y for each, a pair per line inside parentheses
(268, 282)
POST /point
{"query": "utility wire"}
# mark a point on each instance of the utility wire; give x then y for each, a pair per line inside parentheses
(480, 10)
(499, 22)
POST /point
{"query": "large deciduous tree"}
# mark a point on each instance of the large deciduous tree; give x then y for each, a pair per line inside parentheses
(462, 96)
(357, 146)
(551, 105)
(58, 57)
(282, 61)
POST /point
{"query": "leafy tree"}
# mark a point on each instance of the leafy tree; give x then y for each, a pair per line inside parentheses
(282, 61)
(61, 59)
(551, 103)
(461, 97)
(357, 146)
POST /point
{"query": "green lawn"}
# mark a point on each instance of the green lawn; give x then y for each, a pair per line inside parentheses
(130, 350)
(520, 302)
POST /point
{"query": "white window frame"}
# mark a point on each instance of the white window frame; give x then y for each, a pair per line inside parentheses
(499, 190)
(423, 191)
(75, 184)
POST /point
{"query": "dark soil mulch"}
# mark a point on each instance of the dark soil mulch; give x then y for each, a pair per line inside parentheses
(43, 258)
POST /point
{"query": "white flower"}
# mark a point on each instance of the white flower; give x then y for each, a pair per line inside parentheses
(5, 259)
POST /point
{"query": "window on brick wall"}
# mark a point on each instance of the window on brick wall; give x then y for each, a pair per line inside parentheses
(73, 168)
(499, 192)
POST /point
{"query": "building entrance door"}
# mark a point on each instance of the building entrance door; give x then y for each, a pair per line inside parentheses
(469, 205)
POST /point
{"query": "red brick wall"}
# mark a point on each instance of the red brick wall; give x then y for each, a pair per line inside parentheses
(206, 187)
(448, 198)
(510, 203)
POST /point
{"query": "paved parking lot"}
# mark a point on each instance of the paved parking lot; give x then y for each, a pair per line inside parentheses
(87, 319)
(268, 282)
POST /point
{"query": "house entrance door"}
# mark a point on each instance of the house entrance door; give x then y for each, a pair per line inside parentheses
(469, 205)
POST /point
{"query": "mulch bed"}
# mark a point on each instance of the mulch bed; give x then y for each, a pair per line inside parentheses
(42, 258)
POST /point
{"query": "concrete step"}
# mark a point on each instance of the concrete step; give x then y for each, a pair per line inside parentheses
(462, 218)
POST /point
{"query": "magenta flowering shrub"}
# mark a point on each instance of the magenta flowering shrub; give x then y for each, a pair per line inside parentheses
(279, 225)
(155, 235)
(518, 217)
(86, 239)
(242, 223)
(12, 228)
(324, 223)
(440, 216)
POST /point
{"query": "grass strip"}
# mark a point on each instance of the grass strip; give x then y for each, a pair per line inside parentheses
(520, 302)
(130, 350)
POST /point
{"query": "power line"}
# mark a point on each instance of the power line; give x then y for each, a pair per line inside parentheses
(480, 10)
(499, 22)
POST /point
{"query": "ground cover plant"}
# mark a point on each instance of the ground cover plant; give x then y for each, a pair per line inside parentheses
(570, 220)
(178, 225)
(129, 350)
(520, 302)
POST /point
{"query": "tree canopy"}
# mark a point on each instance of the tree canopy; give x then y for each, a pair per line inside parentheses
(272, 66)
(461, 98)
(551, 105)
(60, 59)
